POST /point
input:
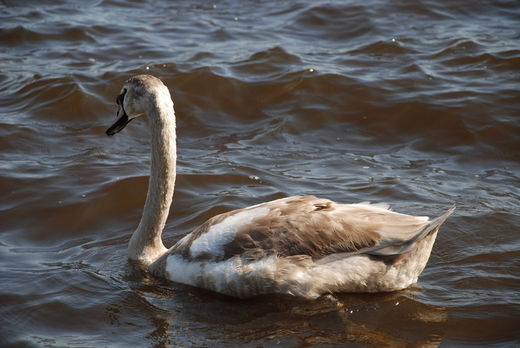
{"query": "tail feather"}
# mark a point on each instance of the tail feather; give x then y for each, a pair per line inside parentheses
(402, 248)
(434, 224)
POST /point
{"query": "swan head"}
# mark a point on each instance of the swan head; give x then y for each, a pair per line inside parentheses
(136, 96)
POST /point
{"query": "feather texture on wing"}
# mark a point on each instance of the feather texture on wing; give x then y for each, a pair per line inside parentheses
(301, 225)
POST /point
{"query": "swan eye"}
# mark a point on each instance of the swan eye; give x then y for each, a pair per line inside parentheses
(120, 98)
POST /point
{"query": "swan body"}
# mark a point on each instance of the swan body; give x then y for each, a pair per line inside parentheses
(301, 245)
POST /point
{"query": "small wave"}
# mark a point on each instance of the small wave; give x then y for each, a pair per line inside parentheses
(381, 48)
(266, 65)
(19, 35)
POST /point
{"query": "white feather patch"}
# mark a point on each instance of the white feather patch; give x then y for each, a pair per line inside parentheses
(182, 271)
(230, 276)
(212, 242)
(380, 205)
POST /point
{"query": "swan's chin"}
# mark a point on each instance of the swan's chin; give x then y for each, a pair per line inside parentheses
(121, 123)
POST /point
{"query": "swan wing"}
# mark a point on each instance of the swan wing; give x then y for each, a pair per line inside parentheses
(304, 226)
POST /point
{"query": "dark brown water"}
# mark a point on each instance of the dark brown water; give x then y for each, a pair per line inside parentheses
(414, 103)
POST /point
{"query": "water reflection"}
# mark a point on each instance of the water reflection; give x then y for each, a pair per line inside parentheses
(391, 319)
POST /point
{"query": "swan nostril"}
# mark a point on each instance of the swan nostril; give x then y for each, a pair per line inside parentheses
(121, 97)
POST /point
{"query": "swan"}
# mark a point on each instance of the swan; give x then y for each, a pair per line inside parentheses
(301, 245)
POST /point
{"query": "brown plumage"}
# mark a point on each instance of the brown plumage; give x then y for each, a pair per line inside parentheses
(309, 226)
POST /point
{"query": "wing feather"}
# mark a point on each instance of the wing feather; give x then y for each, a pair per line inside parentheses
(308, 226)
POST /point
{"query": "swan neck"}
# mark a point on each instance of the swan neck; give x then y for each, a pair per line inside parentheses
(146, 243)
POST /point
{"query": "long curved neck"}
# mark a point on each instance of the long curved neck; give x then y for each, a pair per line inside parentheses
(146, 243)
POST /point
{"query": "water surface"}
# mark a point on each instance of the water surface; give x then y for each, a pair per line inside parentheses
(414, 103)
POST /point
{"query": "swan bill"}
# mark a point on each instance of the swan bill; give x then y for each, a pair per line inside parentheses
(121, 123)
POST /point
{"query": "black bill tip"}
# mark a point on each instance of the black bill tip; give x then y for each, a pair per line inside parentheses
(118, 125)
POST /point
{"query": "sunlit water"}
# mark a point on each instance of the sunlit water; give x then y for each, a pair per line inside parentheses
(414, 103)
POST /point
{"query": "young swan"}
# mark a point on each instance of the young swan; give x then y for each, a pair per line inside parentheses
(301, 245)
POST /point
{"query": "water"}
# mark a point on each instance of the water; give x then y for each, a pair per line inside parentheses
(414, 103)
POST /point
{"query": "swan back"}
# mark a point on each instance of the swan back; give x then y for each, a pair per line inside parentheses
(305, 225)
